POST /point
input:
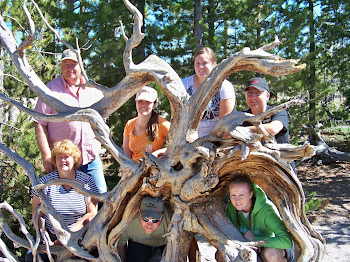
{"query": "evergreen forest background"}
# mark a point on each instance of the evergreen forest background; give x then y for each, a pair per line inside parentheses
(316, 32)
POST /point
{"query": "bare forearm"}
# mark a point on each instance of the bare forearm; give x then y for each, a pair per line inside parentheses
(226, 107)
(82, 222)
(42, 139)
(91, 211)
(272, 128)
(126, 147)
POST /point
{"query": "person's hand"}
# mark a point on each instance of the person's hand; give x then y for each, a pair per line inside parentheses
(57, 242)
(48, 166)
(49, 241)
(249, 236)
(160, 152)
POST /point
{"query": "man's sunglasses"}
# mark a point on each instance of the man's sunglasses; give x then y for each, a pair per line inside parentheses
(153, 220)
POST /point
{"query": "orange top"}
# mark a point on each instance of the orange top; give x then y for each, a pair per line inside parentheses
(139, 143)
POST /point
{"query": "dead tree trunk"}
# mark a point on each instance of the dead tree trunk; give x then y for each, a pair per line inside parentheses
(193, 177)
(323, 151)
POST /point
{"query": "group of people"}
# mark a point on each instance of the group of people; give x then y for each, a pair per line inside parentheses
(70, 150)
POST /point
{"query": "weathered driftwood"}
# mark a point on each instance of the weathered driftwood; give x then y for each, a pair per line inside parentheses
(193, 177)
(323, 151)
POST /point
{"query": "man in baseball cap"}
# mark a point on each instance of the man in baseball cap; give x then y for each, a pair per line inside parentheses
(70, 88)
(143, 239)
(257, 94)
(151, 208)
(258, 83)
(69, 54)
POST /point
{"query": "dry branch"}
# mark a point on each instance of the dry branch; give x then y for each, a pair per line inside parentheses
(192, 178)
(323, 150)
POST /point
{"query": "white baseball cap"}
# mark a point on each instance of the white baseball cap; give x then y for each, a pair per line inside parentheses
(147, 93)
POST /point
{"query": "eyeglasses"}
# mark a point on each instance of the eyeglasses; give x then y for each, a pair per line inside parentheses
(153, 220)
(256, 93)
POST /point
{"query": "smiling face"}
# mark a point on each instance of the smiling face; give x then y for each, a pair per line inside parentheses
(64, 163)
(144, 107)
(71, 71)
(203, 66)
(149, 226)
(241, 196)
(256, 99)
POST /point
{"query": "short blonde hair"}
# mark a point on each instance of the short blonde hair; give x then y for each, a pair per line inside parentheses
(66, 147)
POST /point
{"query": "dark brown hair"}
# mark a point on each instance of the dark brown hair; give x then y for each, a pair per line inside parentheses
(152, 127)
(242, 179)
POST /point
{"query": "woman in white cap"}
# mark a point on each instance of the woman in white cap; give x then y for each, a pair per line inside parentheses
(147, 131)
(223, 101)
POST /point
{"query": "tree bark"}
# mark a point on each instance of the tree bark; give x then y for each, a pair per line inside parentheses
(324, 152)
(1, 89)
(198, 16)
(312, 75)
(193, 177)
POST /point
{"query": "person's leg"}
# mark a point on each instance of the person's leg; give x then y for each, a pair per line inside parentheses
(95, 170)
(290, 253)
(137, 252)
(29, 256)
(218, 257)
(157, 253)
(270, 254)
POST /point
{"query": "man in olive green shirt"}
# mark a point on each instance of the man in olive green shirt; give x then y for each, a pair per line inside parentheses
(144, 237)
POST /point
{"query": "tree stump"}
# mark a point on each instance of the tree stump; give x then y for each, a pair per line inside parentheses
(193, 177)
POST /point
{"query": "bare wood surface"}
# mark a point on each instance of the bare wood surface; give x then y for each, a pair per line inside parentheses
(193, 177)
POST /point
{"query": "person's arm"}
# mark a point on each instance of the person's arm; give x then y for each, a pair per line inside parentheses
(42, 139)
(126, 147)
(122, 252)
(274, 223)
(249, 236)
(227, 99)
(35, 203)
(160, 152)
(272, 128)
(91, 211)
(163, 132)
(226, 106)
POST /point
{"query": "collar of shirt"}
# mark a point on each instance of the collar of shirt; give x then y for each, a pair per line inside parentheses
(69, 88)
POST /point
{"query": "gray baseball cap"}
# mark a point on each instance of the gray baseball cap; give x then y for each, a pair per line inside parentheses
(69, 54)
(152, 207)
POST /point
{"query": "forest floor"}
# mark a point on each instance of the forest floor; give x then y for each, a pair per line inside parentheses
(331, 184)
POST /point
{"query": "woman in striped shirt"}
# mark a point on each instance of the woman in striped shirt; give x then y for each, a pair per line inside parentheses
(75, 209)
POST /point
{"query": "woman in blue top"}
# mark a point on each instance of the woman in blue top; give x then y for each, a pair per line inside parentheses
(223, 101)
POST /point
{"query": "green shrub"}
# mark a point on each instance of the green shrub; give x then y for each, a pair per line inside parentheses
(312, 204)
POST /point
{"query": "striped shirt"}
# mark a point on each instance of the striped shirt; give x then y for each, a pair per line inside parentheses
(68, 203)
